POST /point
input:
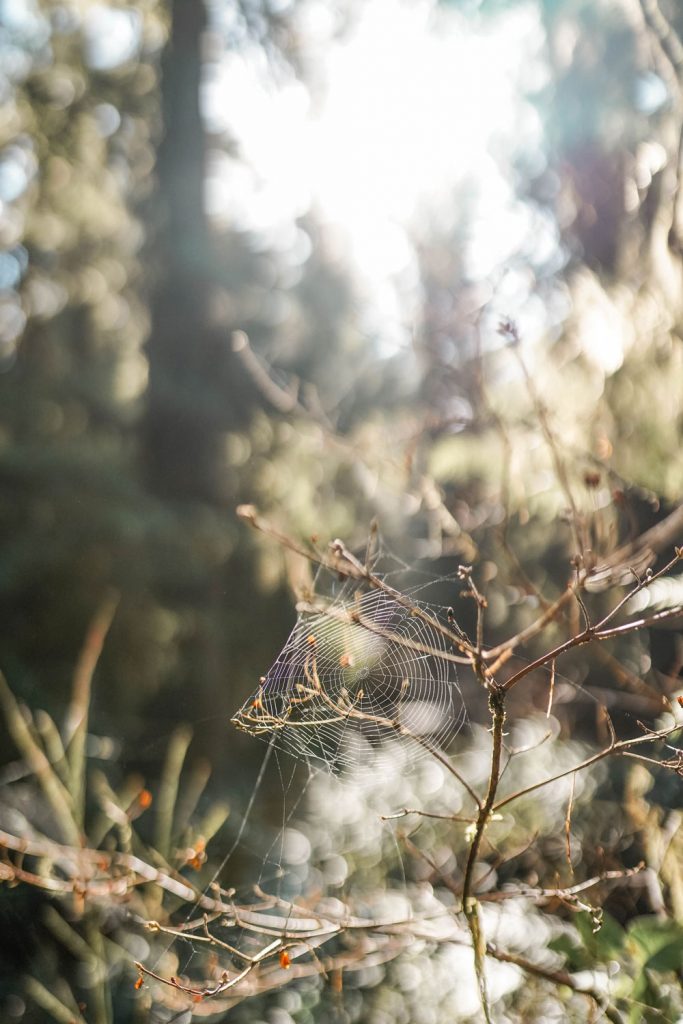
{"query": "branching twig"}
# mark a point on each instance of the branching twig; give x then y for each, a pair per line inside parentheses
(557, 977)
(614, 748)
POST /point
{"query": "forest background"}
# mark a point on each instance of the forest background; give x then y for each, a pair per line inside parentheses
(186, 326)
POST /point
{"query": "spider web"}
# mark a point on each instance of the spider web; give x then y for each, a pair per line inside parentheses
(364, 672)
(355, 673)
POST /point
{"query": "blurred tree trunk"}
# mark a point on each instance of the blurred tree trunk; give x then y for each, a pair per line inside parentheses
(188, 397)
(185, 352)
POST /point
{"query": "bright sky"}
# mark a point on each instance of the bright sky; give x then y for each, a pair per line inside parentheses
(413, 99)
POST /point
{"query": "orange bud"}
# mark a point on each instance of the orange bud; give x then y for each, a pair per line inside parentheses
(285, 962)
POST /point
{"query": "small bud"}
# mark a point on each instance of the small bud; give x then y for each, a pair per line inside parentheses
(145, 799)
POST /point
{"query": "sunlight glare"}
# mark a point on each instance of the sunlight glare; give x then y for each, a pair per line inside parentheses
(413, 97)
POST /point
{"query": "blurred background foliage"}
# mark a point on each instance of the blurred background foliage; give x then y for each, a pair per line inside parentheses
(175, 339)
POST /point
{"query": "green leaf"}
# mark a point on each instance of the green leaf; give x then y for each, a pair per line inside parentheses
(605, 943)
(656, 944)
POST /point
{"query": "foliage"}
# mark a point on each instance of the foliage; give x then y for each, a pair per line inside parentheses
(158, 366)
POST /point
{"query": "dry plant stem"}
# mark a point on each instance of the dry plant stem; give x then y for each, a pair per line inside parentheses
(568, 826)
(557, 978)
(665, 34)
(342, 561)
(506, 464)
(497, 708)
(343, 711)
(405, 811)
(670, 47)
(284, 400)
(632, 683)
(53, 746)
(343, 556)
(84, 864)
(76, 723)
(419, 854)
(476, 653)
(309, 407)
(470, 904)
(352, 617)
(569, 894)
(168, 789)
(56, 794)
(638, 553)
(51, 1004)
(264, 960)
(620, 748)
(536, 627)
(641, 584)
(587, 636)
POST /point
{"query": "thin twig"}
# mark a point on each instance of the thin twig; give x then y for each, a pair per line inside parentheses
(587, 636)
(509, 330)
(536, 627)
(557, 977)
(615, 748)
(340, 560)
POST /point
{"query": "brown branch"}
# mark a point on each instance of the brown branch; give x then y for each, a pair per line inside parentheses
(587, 636)
(641, 584)
(497, 708)
(405, 811)
(639, 552)
(557, 977)
(536, 627)
(340, 560)
(470, 904)
(614, 748)
(567, 894)
(353, 617)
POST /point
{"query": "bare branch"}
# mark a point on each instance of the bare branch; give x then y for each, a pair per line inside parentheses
(616, 749)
